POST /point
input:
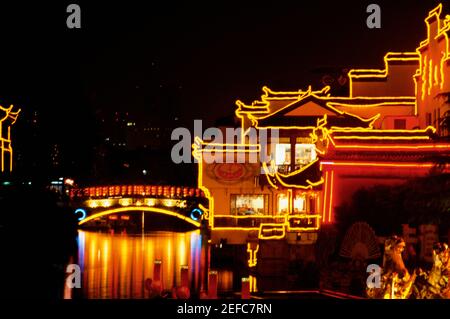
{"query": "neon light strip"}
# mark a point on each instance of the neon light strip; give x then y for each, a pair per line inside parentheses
(352, 129)
(394, 146)
(236, 228)
(285, 223)
(274, 227)
(325, 195)
(381, 137)
(317, 217)
(377, 164)
(331, 197)
(139, 209)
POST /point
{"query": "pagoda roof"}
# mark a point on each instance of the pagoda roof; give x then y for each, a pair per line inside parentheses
(8, 114)
(306, 112)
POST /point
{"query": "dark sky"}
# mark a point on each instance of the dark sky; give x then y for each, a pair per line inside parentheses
(208, 54)
(214, 52)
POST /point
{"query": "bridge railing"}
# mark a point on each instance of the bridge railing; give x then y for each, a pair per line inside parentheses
(135, 191)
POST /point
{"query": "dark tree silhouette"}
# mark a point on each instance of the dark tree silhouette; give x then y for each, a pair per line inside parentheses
(423, 200)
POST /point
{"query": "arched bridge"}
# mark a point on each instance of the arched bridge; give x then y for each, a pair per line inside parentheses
(128, 204)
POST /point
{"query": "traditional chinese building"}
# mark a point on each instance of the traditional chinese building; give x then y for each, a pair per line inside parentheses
(388, 130)
(7, 118)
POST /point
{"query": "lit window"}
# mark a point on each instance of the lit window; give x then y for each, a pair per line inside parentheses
(283, 154)
(299, 203)
(304, 154)
(283, 204)
(249, 204)
(283, 157)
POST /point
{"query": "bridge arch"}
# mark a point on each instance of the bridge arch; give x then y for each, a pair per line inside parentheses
(139, 209)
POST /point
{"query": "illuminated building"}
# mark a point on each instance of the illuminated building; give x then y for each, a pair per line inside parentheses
(7, 118)
(386, 131)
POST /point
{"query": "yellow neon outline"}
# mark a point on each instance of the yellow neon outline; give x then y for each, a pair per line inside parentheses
(139, 209)
(425, 72)
(6, 142)
(377, 73)
(205, 211)
(252, 260)
(236, 228)
(333, 109)
(267, 91)
(316, 216)
(309, 186)
(285, 222)
(274, 227)
(277, 175)
(198, 149)
(268, 174)
(304, 168)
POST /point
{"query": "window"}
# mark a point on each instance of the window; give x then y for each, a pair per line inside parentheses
(304, 154)
(400, 124)
(283, 204)
(283, 157)
(249, 204)
(299, 203)
(282, 154)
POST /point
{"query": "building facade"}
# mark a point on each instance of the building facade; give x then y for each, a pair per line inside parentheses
(320, 148)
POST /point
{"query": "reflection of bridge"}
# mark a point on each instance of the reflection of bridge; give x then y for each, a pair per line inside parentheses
(103, 205)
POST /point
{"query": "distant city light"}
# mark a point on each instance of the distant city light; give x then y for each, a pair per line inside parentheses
(144, 172)
(69, 181)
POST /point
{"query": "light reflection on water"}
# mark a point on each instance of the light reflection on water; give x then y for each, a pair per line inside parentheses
(116, 265)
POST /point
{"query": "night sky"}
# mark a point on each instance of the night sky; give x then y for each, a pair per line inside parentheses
(205, 54)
